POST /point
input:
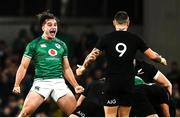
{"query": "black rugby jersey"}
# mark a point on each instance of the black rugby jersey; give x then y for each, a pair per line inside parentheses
(145, 71)
(120, 48)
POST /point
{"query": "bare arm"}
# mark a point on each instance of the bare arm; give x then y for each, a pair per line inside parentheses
(91, 57)
(165, 110)
(155, 56)
(21, 73)
(163, 81)
(79, 101)
(88, 60)
(68, 74)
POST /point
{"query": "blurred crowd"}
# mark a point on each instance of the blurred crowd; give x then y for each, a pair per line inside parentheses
(78, 48)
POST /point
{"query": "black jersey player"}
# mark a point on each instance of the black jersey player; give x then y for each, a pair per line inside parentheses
(119, 47)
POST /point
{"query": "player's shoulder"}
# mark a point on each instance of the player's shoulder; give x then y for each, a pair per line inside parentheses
(59, 41)
(134, 35)
(110, 33)
(34, 41)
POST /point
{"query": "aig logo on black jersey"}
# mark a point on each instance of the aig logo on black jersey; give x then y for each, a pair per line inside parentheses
(113, 101)
(52, 52)
(81, 114)
(140, 72)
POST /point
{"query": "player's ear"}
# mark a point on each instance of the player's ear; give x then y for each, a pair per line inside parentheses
(128, 23)
(43, 28)
(114, 22)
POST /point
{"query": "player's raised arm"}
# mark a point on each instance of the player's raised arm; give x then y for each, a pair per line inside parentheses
(91, 57)
(155, 56)
(88, 60)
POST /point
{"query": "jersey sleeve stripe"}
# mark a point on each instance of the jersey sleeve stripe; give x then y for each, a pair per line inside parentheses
(27, 56)
(65, 56)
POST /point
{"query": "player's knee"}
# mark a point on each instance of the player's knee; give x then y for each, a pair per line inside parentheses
(25, 113)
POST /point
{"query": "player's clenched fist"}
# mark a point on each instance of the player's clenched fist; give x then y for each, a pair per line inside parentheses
(79, 89)
(16, 90)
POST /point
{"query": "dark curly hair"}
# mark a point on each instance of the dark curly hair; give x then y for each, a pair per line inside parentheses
(44, 16)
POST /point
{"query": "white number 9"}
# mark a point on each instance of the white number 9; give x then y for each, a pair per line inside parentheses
(122, 51)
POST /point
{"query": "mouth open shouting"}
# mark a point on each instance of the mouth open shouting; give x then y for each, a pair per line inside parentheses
(52, 33)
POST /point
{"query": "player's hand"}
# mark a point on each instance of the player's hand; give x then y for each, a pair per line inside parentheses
(163, 61)
(92, 56)
(79, 89)
(80, 70)
(16, 90)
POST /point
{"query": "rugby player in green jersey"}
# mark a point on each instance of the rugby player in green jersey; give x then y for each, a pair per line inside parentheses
(49, 55)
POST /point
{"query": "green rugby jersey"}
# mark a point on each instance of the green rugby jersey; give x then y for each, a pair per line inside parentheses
(47, 56)
(138, 81)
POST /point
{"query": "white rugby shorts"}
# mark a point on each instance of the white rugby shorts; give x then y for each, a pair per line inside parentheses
(54, 87)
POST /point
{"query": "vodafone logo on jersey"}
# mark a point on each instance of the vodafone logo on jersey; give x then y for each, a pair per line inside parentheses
(52, 52)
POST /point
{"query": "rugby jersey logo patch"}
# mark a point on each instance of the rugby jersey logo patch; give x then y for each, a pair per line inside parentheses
(52, 52)
(140, 72)
(43, 45)
(57, 45)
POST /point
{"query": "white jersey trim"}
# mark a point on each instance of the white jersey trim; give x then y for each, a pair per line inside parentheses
(156, 76)
(65, 56)
(27, 56)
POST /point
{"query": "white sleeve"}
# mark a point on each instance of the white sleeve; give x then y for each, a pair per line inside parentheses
(156, 76)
